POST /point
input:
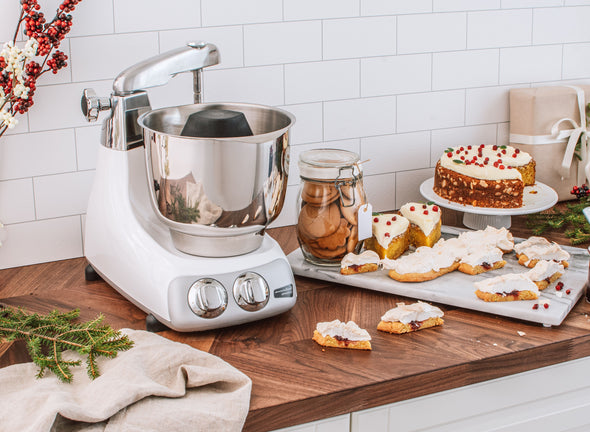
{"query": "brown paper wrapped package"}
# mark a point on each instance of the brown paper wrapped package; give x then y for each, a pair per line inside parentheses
(533, 112)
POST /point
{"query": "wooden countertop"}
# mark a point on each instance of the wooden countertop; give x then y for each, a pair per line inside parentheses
(294, 379)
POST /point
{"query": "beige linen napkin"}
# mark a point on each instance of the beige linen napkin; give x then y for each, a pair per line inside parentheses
(158, 385)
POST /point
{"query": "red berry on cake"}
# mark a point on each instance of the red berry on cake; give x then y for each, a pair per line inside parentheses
(388, 223)
(394, 218)
(376, 220)
(426, 212)
(434, 208)
(412, 208)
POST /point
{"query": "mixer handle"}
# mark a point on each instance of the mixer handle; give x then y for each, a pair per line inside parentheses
(158, 70)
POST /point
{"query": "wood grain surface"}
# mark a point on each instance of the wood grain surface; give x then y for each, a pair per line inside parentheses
(294, 379)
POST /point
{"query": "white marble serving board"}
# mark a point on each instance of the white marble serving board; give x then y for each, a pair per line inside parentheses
(456, 288)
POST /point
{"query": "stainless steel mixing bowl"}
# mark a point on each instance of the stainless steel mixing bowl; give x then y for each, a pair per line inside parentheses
(217, 194)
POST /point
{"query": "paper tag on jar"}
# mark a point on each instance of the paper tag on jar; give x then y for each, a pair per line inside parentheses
(365, 221)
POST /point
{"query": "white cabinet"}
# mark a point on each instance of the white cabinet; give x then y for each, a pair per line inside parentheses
(551, 399)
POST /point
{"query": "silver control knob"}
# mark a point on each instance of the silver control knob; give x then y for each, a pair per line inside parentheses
(207, 298)
(92, 105)
(251, 291)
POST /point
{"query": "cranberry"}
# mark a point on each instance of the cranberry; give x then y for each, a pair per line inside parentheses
(568, 291)
(450, 154)
(394, 218)
(434, 208)
(412, 208)
(388, 223)
(423, 206)
(504, 151)
(376, 220)
(468, 147)
(546, 305)
(501, 167)
(536, 306)
(516, 151)
(462, 157)
(386, 234)
(514, 155)
(494, 147)
(559, 286)
(425, 212)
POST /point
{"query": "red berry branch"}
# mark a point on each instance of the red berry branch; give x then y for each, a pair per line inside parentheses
(20, 68)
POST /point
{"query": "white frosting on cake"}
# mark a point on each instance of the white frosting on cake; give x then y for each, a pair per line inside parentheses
(423, 260)
(367, 257)
(486, 254)
(539, 248)
(506, 284)
(454, 247)
(486, 162)
(413, 312)
(531, 241)
(386, 227)
(498, 237)
(350, 330)
(425, 216)
(543, 270)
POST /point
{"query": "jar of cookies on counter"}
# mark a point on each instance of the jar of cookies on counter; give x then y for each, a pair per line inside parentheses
(330, 195)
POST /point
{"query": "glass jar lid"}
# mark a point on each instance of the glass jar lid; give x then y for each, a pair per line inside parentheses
(329, 164)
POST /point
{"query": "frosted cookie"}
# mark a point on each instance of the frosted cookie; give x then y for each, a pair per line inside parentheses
(544, 273)
(498, 237)
(368, 261)
(535, 249)
(423, 265)
(425, 223)
(508, 287)
(453, 247)
(408, 318)
(482, 260)
(340, 335)
(390, 235)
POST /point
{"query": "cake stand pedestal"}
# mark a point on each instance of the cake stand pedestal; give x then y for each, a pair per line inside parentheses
(536, 198)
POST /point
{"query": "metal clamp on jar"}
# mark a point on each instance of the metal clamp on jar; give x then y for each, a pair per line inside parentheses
(330, 195)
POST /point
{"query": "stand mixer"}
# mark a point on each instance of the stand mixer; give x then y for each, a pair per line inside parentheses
(176, 223)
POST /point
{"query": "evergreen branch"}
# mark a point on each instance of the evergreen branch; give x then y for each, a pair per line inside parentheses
(48, 336)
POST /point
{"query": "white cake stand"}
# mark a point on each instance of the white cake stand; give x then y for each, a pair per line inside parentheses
(535, 199)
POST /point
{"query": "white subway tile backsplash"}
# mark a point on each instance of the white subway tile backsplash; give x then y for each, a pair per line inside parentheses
(104, 57)
(424, 111)
(380, 191)
(396, 81)
(487, 105)
(8, 20)
(148, 15)
(464, 5)
(87, 143)
(431, 32)
(407, 185)
(462, 69)
(561, 25)
(58, 107)
(16, 201)
(263, 85)
(308, 126)
(500, 28)
(229, 12)
(530, 64)
(318, 81)
(359, 37)
(318, 9)
(286, 42)
(507, 4)
(381, 76)
(35, 154)
(229, 40)
(576, 60)
(398, 152)
(62, 194)
(463, 136)
(41, 241)
(92, 17)
(395, 7)
(359, 117)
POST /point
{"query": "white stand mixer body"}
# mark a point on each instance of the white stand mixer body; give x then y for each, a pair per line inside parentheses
(131, 250)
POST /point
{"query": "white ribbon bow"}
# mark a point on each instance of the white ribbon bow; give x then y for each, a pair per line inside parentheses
(578, 132)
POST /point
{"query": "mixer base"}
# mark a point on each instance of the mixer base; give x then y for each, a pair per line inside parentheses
(90, 274)
(153, 325)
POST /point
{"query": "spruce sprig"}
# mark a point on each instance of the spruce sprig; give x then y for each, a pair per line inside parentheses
(48, 336)
(577, 228)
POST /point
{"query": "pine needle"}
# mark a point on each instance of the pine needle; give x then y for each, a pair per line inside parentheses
(577, 228)
(48, 336)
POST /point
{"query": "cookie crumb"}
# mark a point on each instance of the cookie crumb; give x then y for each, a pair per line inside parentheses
(521, 333)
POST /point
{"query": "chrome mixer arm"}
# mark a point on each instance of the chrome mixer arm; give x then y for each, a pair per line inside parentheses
(158, 70)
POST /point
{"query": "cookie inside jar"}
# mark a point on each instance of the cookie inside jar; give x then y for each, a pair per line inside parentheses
(330, 195)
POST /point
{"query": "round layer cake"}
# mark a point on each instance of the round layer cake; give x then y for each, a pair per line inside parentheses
(484, 175)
